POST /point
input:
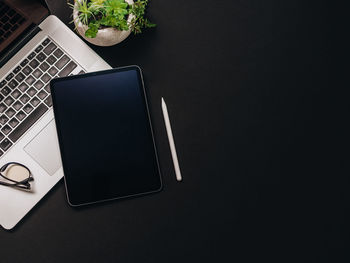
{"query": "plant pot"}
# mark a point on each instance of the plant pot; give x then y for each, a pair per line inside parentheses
(105, 37)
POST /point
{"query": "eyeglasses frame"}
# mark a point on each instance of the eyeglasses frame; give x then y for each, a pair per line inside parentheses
(22, 184)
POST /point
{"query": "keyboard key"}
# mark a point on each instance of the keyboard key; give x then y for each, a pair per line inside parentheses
(51, 60)
(6, 129)
(13, 122)
(49, 48)
(45, 78)
(14, 27)
(17, 105)
(30, 80)
(38, 85)
(9, 76)
(35, 101)
(28, 122)
(17, 69)
(6, 27)
(4, 19)
(25, 98)
(4, 9)
(13, 84)
(7, 34)
(9, 100)
(37, 73)
(5, 91)
(45, 42)
(44, 66)
(31, 56)
(3, 119)
(23, 87)
(10, 12)
(1, 152)
(28, 108)
(10, 112)
(68, 69)
(1, 137)
(20, 115)
(39, 48)
(6, 144)
(27, 70)
(47, 88)
(24, 62)
(48, 101)
(31, 92)
(62, 62)
(20, 77)
(52, 71)
(2, 83)
(58, 53)
(3, 107)
(42, 94)
(34, 63)
(41, 57)
(15, 94)
(1, 97)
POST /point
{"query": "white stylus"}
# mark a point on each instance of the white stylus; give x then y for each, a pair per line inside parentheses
(171, 141)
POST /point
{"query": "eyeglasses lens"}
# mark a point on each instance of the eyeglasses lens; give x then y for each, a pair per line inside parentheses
(16, 173)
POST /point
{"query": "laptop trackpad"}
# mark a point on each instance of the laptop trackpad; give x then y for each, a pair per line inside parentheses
(44, 149)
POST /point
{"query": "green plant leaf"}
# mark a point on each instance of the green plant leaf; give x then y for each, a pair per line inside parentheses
(83, 11)
(92, 30)
(139, 22)
(116, 8)
(96, 7)
(149, 24)
(97, 2)
(109, 21)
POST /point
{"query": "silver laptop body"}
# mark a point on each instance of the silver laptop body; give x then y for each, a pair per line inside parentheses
(37, 146)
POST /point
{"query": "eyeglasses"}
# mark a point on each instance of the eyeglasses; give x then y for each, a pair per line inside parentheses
(16, 175)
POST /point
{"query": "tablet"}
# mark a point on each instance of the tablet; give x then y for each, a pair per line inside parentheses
(105, 135)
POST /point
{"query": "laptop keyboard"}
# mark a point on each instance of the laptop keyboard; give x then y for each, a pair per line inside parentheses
(25, 92)
(10, 20)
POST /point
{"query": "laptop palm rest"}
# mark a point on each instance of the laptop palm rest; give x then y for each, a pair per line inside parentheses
(44, 149)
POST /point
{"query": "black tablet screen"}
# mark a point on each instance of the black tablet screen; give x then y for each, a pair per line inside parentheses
(105, 135)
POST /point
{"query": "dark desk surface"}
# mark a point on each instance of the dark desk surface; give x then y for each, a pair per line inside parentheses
(248, 91)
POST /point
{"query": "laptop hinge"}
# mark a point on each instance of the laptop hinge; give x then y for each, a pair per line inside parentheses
(29, 34)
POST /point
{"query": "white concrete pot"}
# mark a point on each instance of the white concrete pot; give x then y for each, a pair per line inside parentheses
(105, 37)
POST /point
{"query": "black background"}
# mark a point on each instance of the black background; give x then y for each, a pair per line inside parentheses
(260, 139)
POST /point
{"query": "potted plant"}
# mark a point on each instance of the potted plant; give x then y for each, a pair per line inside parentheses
(108, 22)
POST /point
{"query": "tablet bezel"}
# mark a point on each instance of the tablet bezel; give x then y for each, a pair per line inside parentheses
(143, 93)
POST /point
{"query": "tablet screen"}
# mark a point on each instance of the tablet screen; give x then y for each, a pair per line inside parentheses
(105, 135)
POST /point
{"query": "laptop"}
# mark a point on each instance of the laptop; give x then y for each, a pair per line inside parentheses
(35, 47)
